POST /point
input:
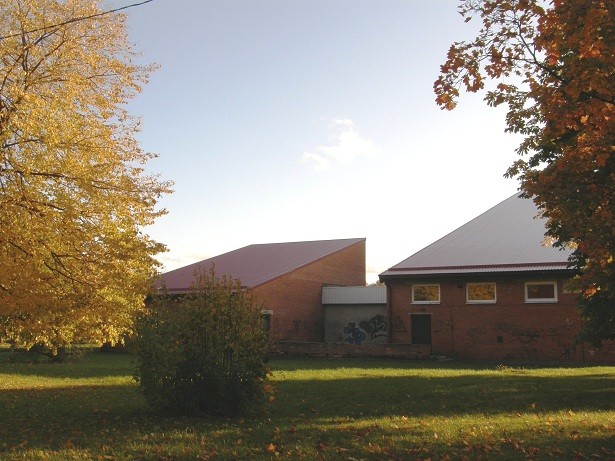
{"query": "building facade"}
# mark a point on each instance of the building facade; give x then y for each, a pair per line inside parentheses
(492, 289)
(286, 279)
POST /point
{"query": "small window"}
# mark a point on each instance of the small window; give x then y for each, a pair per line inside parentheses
(540, 292)
(266, 320)
(480, 293)
(425, 294)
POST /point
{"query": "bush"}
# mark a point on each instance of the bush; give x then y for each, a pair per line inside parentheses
(204, 352)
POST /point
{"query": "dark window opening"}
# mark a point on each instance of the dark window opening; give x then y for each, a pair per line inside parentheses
(266, 321)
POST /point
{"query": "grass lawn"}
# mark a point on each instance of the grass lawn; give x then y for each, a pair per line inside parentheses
(325, 409)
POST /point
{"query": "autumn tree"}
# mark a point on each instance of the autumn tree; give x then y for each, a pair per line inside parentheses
(75, 265)
(553, 65)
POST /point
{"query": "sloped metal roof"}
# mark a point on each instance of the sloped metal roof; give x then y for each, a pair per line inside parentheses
(507, 238)
(254, 265)
(354, 295)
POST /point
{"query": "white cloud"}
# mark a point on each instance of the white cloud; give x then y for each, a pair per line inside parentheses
(347, 146)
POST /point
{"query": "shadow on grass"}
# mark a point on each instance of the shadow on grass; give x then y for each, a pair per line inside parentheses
(91, 365)
(331, 419)
(88, 422)
(350, 416)
(384, 418)
(50, 417)
(447, 396)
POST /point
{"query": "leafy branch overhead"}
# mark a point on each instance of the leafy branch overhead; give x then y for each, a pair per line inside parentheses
(73, 192)
(553, 65)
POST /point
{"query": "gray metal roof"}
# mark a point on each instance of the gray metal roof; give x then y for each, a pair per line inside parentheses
(507, 238)
(254, 265)
(354, 295)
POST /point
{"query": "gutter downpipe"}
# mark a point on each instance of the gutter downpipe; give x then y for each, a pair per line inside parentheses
(389, 323)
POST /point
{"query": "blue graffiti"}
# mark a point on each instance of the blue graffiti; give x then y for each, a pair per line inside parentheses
(356, 335)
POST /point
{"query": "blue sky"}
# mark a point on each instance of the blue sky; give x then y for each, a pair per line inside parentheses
(306, 120)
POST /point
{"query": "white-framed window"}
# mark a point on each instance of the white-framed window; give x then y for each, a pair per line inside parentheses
(426, 294)
(481, 293)
(540, 292)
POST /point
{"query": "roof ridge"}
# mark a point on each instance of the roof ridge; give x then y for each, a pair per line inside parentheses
(357, 239)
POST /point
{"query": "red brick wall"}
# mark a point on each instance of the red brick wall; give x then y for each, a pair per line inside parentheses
(296, 298)
(308, 349)
(508, 329)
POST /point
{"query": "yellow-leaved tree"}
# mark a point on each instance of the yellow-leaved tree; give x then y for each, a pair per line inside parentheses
(74, 264)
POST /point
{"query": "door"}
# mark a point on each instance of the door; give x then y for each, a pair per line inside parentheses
(421, 328)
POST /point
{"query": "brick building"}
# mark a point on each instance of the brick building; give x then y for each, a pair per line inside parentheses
(490, 290)
(287, 279)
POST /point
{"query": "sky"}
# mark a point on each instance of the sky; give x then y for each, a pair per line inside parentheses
(294, 120)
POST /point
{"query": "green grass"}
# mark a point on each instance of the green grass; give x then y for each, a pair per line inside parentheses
(324, 409)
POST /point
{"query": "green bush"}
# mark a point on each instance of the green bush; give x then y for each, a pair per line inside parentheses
(203, 352)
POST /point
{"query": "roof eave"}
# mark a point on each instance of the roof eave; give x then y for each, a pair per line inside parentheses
(509, 271)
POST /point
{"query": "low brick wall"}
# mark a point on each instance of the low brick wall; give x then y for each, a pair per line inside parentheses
(317, 349)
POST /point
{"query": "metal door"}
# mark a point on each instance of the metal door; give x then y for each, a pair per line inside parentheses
(421, 328)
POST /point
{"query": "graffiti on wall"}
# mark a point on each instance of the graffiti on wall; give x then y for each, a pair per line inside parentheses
(524, 335)
(316, 327)
(564, 335)
(398, 325)
(478, 336)
(296, 326)
(531, 343)
(375, 327)
(442, 325)
(355, 334)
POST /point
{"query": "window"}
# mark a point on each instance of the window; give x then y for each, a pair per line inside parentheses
(477, 293)
(425, 294)
(540, 292)
(266, 320)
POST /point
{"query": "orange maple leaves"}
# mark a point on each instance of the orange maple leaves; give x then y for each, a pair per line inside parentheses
(555, 63)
